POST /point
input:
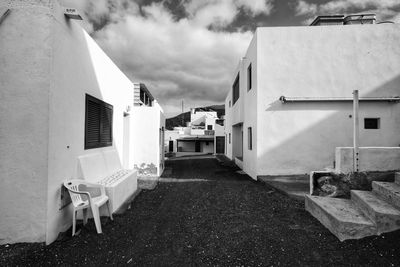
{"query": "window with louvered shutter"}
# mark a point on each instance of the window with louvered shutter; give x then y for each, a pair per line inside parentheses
(98, 123)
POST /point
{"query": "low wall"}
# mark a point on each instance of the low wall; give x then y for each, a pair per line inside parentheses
(239, 163)
(370, 159)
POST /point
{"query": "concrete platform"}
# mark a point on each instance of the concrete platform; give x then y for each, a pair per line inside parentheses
(295, 186)
(341, 216)
(388, 191)
(385, 216)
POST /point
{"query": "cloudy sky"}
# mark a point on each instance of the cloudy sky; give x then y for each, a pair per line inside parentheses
(188, 49)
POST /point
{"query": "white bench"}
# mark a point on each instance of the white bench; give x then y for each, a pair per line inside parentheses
(105, 168)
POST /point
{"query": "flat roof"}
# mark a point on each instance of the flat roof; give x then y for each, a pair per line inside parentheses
(201, 138)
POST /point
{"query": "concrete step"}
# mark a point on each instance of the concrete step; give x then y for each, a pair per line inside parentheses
(294, 186)
(385, 216)
(341, 216)
(397, 178)
(388, 191)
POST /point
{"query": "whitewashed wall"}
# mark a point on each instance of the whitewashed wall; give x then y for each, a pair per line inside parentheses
(330, 61)
(79, 67)
(228, 125)
(55, 64)
(146, 123)
(25, 56)
(171, 135)
(250, 114)
(207, 147)
(370, 159)
(244, 111)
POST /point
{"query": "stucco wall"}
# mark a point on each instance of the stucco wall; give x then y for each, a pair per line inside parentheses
(370, 159)
(25, 60)
(201, 116)
(171, 136)
(146, 124)
(196, 132)
(207, 147)
(51, 64)
(210, 121)
(228, 125)
(332, 61)
(237, 108)
(79, 67)
(185, 146)
(243, 114)
(250, 110)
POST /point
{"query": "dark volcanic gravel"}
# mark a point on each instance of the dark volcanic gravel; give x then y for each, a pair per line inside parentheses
(229, 220)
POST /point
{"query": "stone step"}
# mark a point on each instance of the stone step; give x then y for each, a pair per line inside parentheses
(385, 216)
(397, 178)
(294, 186)
(388, 191)
(341, 216)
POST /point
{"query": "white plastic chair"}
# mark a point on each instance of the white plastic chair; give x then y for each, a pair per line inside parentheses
(82, 200)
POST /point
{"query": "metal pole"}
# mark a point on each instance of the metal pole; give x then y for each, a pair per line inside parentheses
(182, 116)
(355, 132)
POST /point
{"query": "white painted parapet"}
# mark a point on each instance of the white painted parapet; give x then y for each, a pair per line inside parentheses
(370, 159)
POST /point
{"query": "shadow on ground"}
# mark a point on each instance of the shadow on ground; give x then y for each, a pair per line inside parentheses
(228, 220)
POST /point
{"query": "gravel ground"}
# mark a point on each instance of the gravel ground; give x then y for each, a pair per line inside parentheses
(221, 219)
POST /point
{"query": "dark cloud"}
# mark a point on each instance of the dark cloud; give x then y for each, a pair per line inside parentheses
(168, 45)
(188, 49)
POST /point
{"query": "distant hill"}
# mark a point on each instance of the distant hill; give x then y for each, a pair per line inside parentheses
(176, 121)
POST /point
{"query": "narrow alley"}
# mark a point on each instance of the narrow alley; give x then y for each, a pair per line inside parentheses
(203, 212)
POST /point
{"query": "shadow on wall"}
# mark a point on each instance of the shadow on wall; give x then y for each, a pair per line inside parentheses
(95, 75)
(313, 147)
(85, 71)
(146, 169)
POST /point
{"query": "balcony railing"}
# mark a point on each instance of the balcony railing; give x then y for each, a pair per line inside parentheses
(209, 132)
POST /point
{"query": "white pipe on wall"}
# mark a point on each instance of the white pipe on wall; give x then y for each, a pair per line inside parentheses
(355, 132)
(285, 99)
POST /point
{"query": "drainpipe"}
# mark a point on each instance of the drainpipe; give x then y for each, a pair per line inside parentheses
(355, 132)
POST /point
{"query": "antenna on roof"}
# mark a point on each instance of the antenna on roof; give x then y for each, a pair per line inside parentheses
(182, 115)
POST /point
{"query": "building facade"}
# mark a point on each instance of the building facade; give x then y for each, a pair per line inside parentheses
(200, 135)
(147, 145)
(267, 134)
(61, 98)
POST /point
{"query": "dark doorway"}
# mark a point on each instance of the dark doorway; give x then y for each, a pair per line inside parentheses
(220, 145)
(197, 146)
(171, 146)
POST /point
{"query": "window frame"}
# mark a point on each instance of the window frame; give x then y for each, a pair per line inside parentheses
(102, 106)
(249, 138)
(249, 78)
(236, 88)
(378, 123)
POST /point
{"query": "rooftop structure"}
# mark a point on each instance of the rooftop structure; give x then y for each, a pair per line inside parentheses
(328, 20)
(142, 96)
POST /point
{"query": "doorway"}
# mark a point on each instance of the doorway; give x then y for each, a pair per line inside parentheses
(197, 146)
(220, 145)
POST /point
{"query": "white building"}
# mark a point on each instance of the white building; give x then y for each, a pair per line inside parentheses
(61, 98)
(200, 135)
(290, 104)
(147, 145)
